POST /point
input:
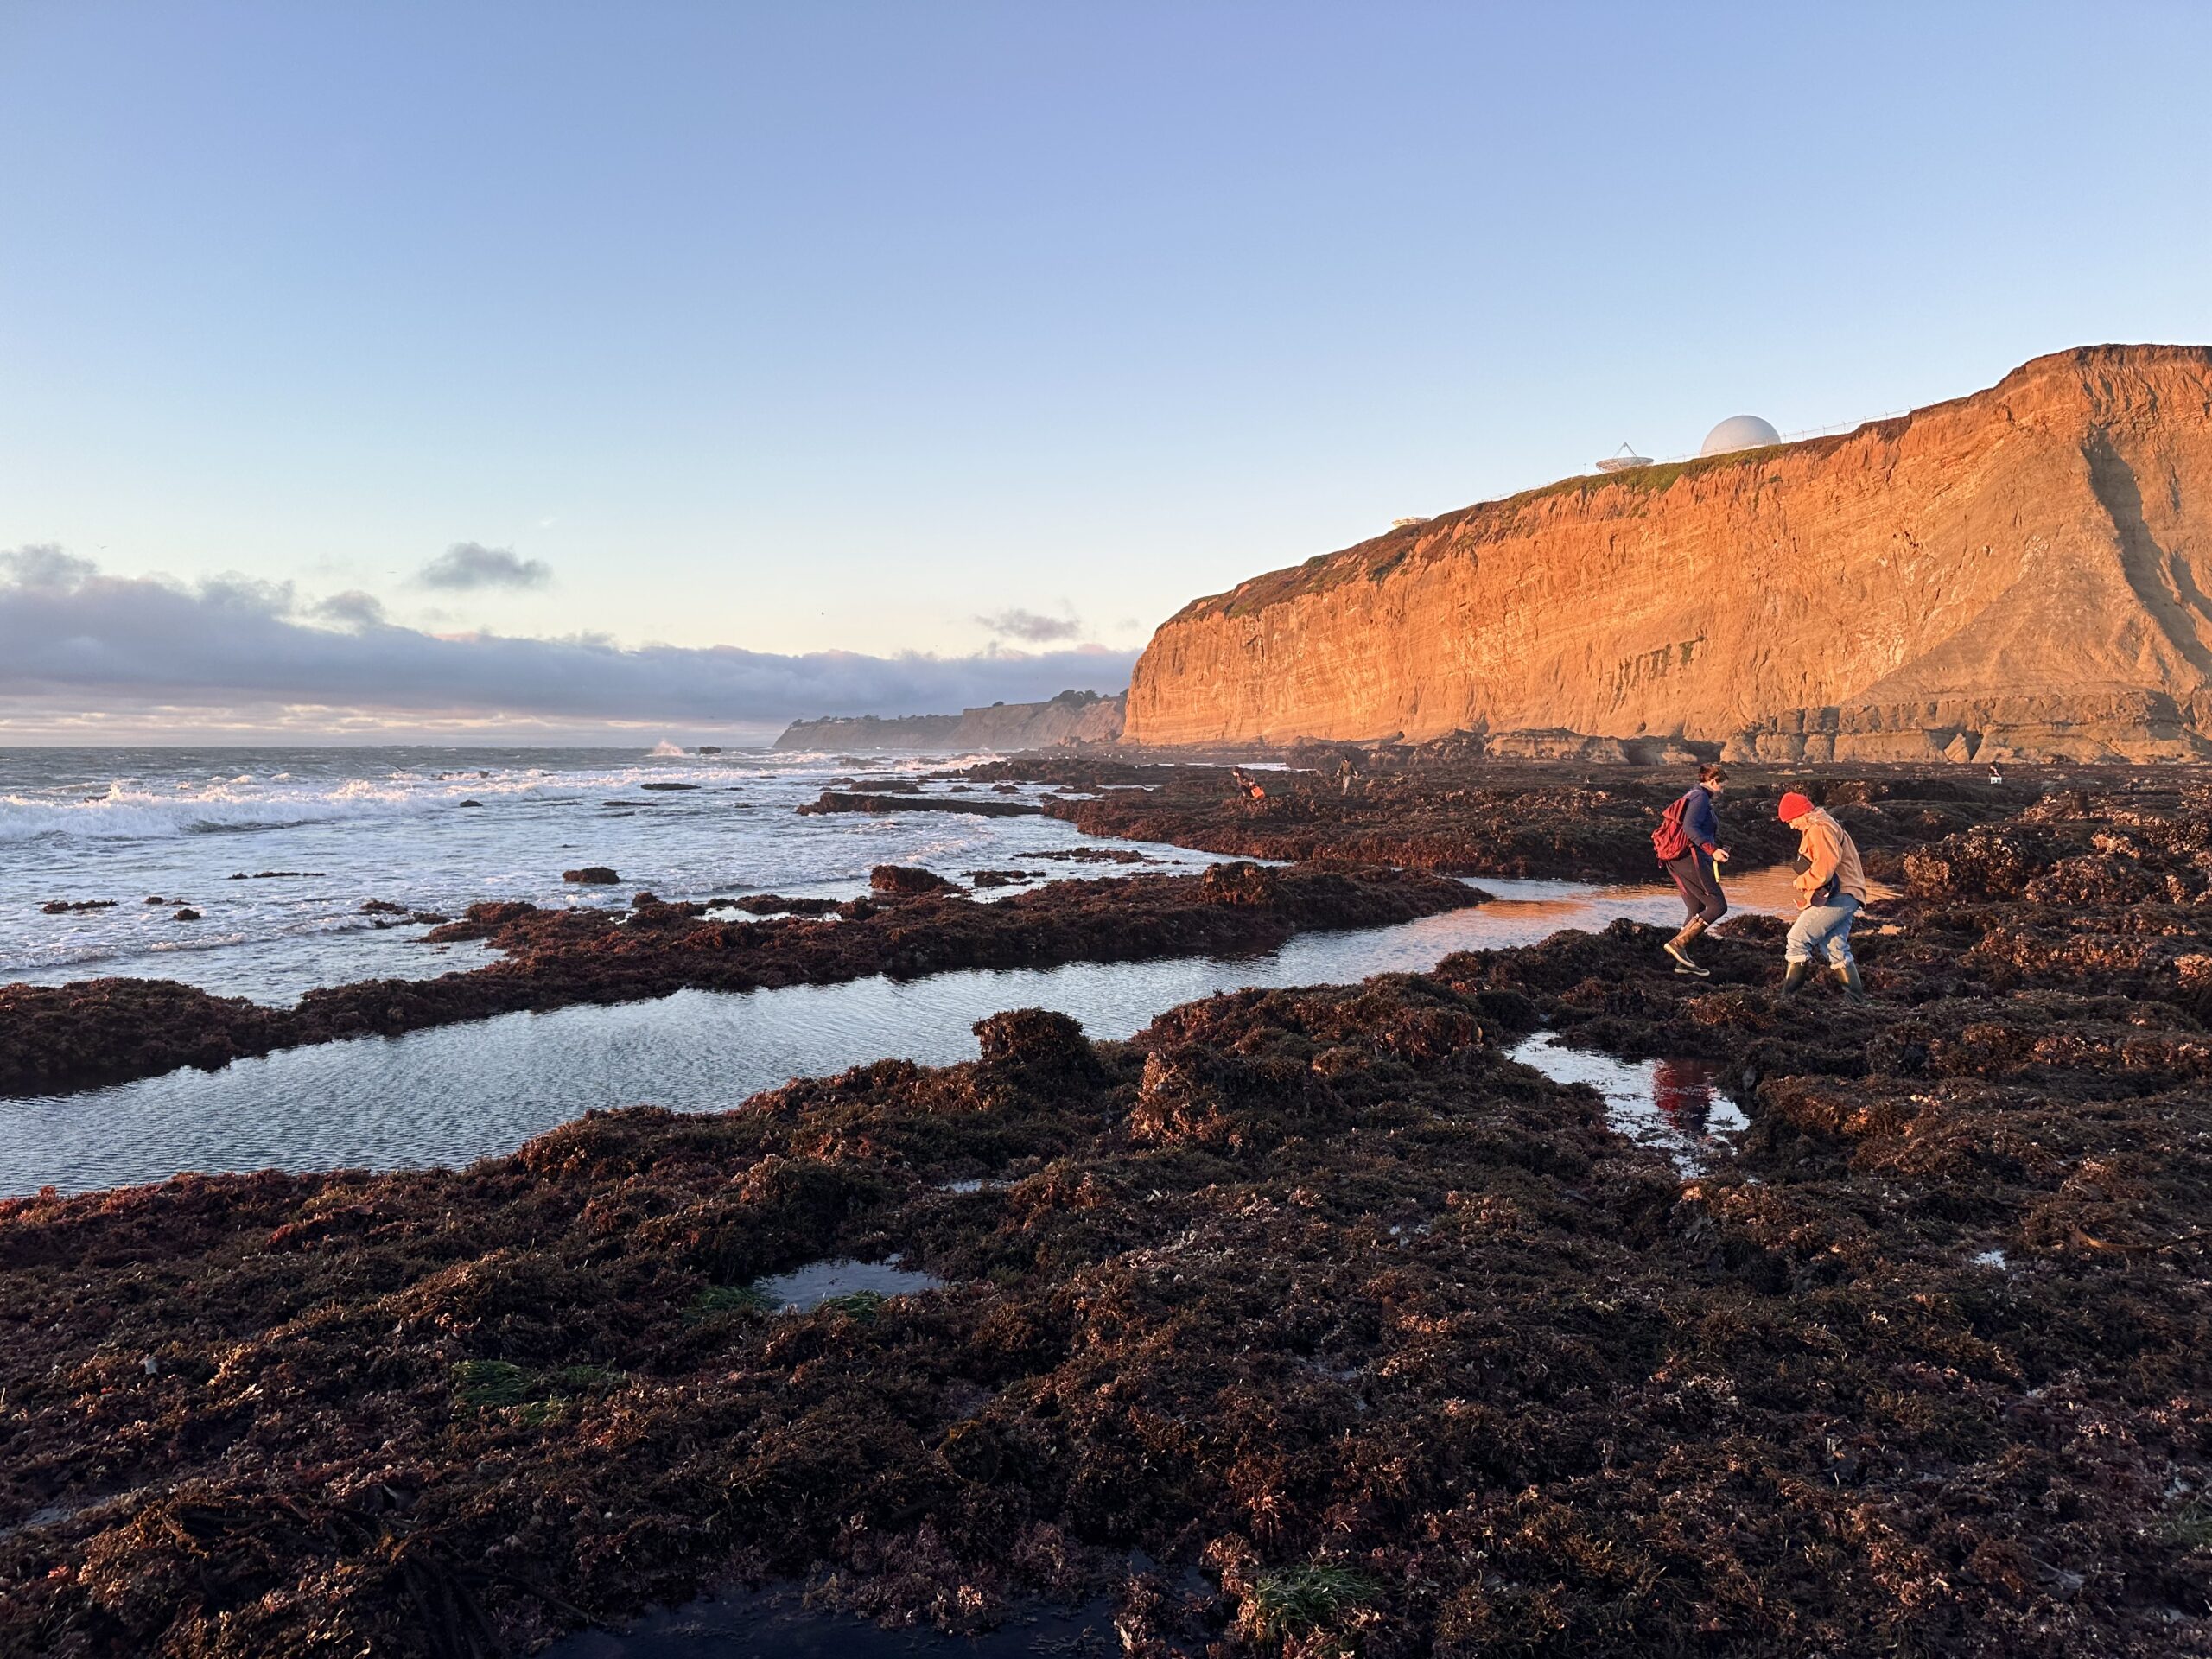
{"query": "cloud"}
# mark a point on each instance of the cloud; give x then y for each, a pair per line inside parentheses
(78, 645)
(469, 565)
(45, 567)
(352, 609)
(1030, 626)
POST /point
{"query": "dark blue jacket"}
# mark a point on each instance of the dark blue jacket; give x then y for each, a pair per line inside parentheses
(1699, 823)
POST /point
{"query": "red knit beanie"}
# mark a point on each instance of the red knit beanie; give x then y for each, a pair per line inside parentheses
(1794, 807)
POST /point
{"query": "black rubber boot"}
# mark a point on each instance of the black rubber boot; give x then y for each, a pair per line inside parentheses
(1795, 979)
(1853, 987)
(1679, 948)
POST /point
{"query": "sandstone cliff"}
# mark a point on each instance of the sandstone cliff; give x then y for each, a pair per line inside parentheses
(2020, 572)
(1071, 717)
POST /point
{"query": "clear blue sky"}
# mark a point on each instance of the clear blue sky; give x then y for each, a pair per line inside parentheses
(802, 327)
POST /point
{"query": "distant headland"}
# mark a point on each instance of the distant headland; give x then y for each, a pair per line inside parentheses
(1071, 717)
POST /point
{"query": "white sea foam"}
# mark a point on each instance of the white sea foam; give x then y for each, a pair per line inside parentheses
(131, 810)
(388, 825)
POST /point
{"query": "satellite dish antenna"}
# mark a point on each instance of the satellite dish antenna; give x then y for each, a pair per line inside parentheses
(1622, 458)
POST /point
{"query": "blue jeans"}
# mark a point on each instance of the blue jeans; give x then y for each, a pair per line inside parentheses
(1824, 927)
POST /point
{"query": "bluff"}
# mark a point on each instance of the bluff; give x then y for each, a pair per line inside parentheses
(2019, 573)
(1071, 717)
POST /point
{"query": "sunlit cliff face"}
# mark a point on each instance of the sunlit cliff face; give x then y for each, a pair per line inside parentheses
(2018, 569)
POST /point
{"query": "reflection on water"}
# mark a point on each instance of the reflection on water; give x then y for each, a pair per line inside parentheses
(804, 1289)
(1669, 1104)
(458, 1093)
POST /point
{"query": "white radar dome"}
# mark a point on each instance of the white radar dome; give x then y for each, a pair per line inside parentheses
(1739, 432)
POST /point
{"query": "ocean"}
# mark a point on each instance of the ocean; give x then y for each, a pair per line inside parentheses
(278, 849)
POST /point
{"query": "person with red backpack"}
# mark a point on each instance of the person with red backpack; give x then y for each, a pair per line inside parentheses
(1687, 841)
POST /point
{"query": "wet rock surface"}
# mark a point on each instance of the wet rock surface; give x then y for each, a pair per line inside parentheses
(1316, 1298)
(907, 881)
(832, 800)
(101, 1031)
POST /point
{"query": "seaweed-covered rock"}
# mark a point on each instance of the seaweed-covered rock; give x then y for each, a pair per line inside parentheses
(1240, 883)
(1311, 1293)
(905, 881)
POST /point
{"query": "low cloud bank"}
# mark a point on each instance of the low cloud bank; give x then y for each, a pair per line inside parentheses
(72, 639)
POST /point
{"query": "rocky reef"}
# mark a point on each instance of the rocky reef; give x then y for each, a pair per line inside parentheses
(2018, 572)
(1432, 808)
(1307, 1322)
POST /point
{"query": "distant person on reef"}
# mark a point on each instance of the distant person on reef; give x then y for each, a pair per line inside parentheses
(1687, 841)
(1831, 885)
(1996, 772)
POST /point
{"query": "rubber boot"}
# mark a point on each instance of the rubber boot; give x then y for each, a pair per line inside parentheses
(1853, 987)
(1794, 981)
(1679, 948)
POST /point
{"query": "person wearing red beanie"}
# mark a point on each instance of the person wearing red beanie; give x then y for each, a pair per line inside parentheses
(1831, 887)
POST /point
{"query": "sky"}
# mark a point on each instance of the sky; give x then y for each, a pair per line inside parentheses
(687, 368)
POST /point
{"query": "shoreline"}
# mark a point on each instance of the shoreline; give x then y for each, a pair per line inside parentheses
(1298, 1281)
(92, 1033)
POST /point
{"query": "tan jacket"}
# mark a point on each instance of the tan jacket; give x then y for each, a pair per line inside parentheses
(1833, 852)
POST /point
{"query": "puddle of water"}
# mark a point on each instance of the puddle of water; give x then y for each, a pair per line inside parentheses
(804, 1289)
(278, 971)
(457, 1093)
(1669, 1104)
(1990, 1259)
(44, 1517)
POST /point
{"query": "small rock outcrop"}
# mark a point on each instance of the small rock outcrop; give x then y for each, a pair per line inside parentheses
(904, 881)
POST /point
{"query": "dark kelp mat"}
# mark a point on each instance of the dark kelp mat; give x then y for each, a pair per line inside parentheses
(777, 1624)
(1383, 1341)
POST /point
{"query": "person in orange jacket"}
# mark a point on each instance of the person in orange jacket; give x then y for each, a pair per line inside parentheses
(1830, 889)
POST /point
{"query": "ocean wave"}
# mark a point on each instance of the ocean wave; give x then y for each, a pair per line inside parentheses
(142, 809)
(845, 761)
(152, 807)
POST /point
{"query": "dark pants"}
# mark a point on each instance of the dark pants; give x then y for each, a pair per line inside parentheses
(1695, 875)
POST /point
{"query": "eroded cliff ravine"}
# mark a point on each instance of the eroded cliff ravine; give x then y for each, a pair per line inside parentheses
(2021, 572)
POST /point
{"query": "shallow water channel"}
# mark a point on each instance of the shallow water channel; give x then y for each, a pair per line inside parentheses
(456, 1093)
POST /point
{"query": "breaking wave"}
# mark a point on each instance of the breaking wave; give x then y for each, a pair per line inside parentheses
(137, 808)
(130, 813)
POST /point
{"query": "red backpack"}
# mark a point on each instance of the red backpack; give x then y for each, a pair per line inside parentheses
(1670, 841)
